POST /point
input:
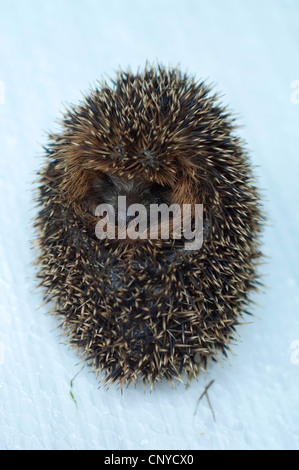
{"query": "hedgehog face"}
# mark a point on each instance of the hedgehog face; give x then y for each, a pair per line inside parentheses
(151, 309)
(106, 189)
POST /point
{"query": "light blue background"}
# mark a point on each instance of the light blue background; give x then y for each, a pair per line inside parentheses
(50, 52)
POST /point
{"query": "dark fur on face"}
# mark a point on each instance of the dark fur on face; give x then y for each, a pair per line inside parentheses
(107, 187)
(148, 310)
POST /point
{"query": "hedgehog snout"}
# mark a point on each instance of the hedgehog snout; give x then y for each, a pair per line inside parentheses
(121, 194)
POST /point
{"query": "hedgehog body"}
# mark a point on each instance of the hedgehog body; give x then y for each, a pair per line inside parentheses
(150, 309)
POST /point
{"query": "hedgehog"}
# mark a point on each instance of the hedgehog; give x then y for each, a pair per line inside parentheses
(148, 309)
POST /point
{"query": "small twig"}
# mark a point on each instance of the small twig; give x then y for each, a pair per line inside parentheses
(71, 385)
(208, 400)
(72, 395)
(209, 403)
(72, 381)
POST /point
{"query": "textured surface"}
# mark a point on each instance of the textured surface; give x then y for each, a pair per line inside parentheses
(50, 52)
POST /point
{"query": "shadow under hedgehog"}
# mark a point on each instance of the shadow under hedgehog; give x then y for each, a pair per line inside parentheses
(148, 309)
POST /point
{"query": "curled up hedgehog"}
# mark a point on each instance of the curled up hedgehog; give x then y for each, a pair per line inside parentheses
(148, 308)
